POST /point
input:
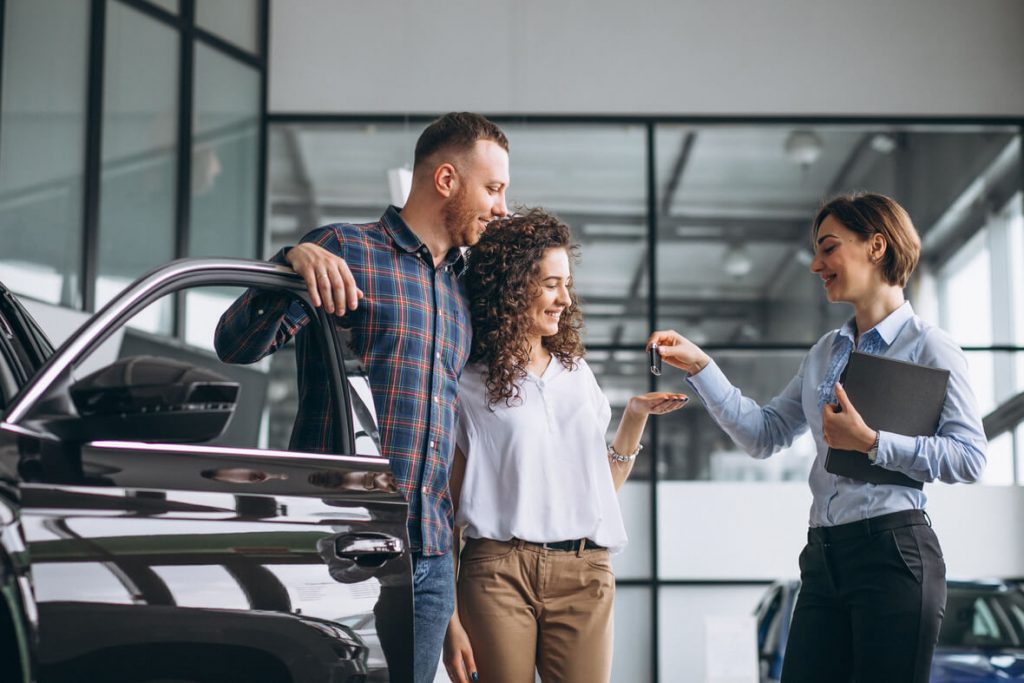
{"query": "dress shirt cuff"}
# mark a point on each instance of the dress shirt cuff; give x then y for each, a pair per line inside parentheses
(711, 384)
(279, 257)
(895, 451)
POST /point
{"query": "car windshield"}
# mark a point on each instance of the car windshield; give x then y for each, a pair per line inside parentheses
(983, 618)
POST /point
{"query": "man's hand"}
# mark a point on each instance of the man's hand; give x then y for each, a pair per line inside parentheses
(843, 427)
(328, 278)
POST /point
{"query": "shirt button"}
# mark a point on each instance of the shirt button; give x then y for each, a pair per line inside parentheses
(423, 490)
(439, 355)
(436, 399)
(259, 312)
(431, 445)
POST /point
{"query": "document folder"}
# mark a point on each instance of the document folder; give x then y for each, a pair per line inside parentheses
(892, 396)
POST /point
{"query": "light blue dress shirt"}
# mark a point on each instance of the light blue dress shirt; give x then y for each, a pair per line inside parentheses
(955, 454)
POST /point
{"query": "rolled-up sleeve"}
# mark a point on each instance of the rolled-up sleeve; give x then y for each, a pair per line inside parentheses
(957, 451)
(760, 431)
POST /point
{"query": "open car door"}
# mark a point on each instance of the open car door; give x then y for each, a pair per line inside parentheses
(168, 532)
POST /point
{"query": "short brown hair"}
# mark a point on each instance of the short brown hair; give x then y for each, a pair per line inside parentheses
(501, 281)
(866, 213)
(457, 132)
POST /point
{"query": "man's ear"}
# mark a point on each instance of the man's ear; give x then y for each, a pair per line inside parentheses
(446, 179)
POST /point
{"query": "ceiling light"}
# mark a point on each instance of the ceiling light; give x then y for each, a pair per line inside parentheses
(883, 143)
(736, 261)
(803, 147)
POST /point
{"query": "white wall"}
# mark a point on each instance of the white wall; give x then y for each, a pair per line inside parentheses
(754, 531)
(885, 57)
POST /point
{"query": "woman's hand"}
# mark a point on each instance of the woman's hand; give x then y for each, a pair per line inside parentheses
(656, 403)
(678, 351)
(458, 653)
(843, 427)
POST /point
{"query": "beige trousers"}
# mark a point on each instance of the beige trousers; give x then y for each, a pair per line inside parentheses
(526, 607)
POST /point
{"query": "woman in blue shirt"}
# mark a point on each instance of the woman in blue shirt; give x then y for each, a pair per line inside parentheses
(873, 585)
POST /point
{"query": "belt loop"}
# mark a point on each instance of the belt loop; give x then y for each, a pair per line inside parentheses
(517, 543)
(580, 547)
(927, 519)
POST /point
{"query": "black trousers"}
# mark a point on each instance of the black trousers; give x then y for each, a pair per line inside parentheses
(871, 601)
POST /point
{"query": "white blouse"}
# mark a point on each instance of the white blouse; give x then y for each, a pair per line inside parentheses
(538, 470)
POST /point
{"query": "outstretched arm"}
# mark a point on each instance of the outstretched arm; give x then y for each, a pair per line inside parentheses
(631, 429)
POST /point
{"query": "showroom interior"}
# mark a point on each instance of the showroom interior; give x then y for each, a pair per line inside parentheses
(687, 145)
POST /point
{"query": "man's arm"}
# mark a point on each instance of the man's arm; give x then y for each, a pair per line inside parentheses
(262, 321)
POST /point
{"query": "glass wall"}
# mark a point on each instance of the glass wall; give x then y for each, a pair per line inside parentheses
(130, 135)
(140, 135)
(42, 148)
(705, 229)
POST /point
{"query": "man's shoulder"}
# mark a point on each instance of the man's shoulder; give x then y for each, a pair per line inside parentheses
(341, 238)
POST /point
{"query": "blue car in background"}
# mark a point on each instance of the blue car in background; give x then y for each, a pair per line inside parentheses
(982, 635)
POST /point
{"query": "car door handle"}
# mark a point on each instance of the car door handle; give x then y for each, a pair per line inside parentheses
(368, 549)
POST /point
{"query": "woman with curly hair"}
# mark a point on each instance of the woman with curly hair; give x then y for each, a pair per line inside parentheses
(533, 482)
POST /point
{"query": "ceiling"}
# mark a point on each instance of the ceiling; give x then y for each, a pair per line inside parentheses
(732, 205)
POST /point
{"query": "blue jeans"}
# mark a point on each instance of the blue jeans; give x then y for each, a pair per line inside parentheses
(433, 586)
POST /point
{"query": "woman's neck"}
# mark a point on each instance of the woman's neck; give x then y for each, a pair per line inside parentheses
(877, 308)
(540, 357)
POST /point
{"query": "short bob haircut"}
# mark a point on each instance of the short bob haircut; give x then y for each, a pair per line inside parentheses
(866, 213)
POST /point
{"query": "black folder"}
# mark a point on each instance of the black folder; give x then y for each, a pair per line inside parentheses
(892, 396)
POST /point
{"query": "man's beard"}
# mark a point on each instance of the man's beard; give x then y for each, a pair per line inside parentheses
(460, 219)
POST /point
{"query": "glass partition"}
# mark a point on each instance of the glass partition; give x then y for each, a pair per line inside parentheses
(42, 140)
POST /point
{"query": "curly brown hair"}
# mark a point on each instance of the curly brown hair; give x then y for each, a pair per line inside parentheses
(501, 281)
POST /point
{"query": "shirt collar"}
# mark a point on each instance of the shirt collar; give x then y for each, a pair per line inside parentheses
(406, 240)
(888, 328)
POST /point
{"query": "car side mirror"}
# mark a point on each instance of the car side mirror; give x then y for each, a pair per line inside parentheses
(146, 398)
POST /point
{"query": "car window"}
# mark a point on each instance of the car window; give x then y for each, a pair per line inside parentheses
(267, 403)
(983, 618)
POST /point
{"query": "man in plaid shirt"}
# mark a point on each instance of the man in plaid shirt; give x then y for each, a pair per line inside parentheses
(394, 283)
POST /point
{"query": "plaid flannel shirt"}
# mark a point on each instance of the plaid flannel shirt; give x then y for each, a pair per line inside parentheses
(412, 332)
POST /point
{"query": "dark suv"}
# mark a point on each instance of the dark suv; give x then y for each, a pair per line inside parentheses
(981, 639)
(155, 526)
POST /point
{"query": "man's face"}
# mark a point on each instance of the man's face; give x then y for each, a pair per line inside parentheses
(479, 196)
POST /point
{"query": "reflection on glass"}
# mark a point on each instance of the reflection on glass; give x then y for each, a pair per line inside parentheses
(42, 147)
(203, 585)
(312, 590)
(225, 156)
(137, 195)
(70, 581)
(237, 21)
